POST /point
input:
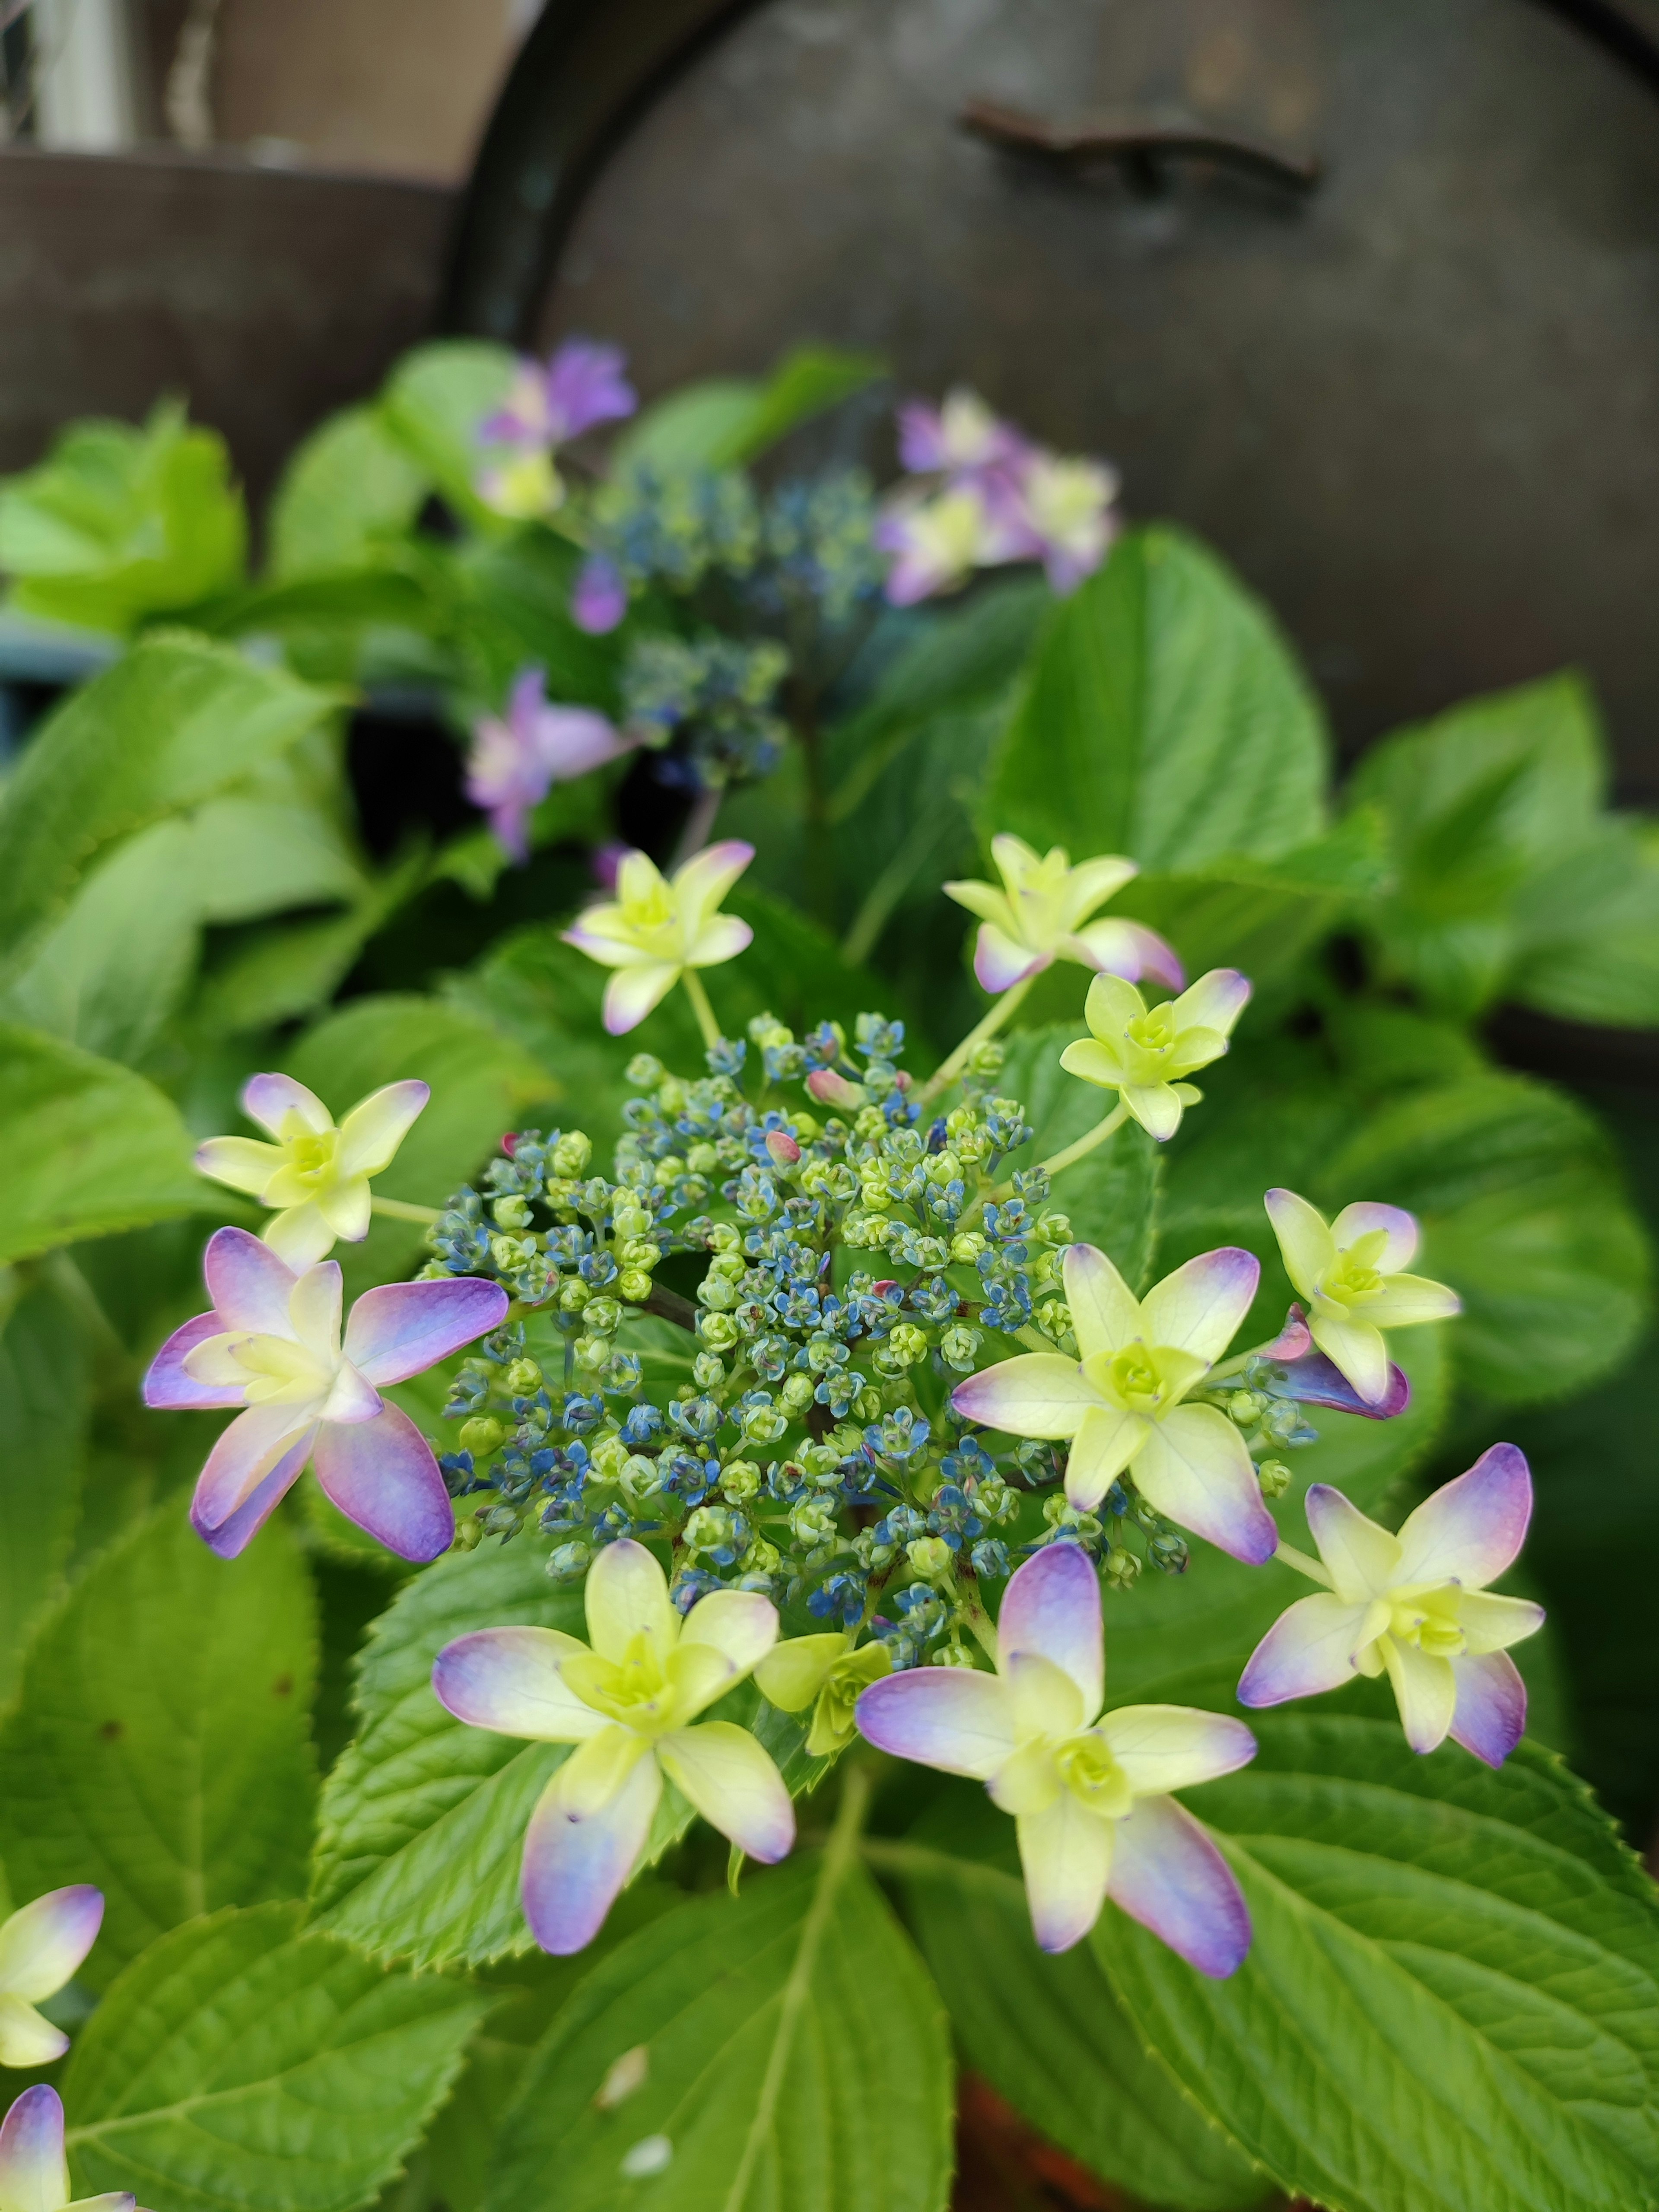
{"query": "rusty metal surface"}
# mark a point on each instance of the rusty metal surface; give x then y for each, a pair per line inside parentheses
(1418, 407)
(268, 297)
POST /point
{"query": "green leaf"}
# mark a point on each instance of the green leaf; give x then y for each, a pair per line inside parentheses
(1048, 2033)
(797, 2056)
(274, 975)
(1163, 718)
(239, 2063)
(176, 723)
(481, 1084)
(1524, 1214)
(1477, 801)
(348, 487)
(422, 1818)
(44, 1410)
(432, 405)
(1588, 931)
(118, 524)
(161, 1746)
(726, 420)
(90, 1147)
(1450, 2001)
(511, 609)
(1111, 1195)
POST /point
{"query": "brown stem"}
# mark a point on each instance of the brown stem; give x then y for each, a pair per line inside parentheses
(669, 1305)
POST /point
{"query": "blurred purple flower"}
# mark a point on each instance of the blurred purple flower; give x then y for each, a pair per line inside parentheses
(515, 762)
(600, 599)
(582, 385)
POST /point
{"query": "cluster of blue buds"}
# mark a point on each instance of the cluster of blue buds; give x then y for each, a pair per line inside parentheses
(714, 698)
(743, 1346)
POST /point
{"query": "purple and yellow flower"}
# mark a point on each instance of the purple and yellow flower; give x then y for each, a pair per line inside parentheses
(629, 1704)
(1351, 1273)
(33, 2171)
(316, 1175)
(657, 929)
(1415, 1607)
(1067, 509)
(546, 405)
(600, 599)
(1088, 1791)
(272, 1345)
(1144, 1054)
(1121, 1403)
(515, 762)
(938, 538)
(40, 1947)
(1042, 914)
(961, 440)
(1309, 1378)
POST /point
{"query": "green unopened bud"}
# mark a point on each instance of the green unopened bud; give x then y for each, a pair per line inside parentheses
(903, 1348)
(943, 1167)
(930, 1556)
(761, 1559)
(1053, 1318)
(798, 1393)
(628, 1218)
(708, 1372)
(966, 1249)
(510, 1253)
(603, 1316)
(512, 1212)
(710, 1528)
(739, 1481)
(959, 1347)
(609, 1456)
(1168, 1552)
(1245, 1408)
(986, 1058)
(574, 1294)
(468, 1536)
(717, 1331)
(524, 1378)
(1056, 1229)
(482, 1436)
(1274, 1478)
(592, 1352)
(645, 1070)
(633, 1285)
(1122, 1566)
(725, 1235)
(571, 1155)
(867, 1405)
(951, 1655)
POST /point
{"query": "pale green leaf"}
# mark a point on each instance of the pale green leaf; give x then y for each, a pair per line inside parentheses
(161, 1746)
(797, 2058)
(1452, 1997)
(1588, 930)
(433, 406)
(1048, 2033)
(725, 421)
(90, 1147)
(1163, 718)
(350, 485)
(174, 724)
(240, 2063)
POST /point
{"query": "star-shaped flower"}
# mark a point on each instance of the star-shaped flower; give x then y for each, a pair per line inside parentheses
(1042, 914)
(657, 929)
(1088, 1791)
(1144, 1054)
(628, 1704)
(1351, 1273)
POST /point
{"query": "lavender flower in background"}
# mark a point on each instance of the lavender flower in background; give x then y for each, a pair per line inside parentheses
(579, 388)
(515, 762)
(599, 600)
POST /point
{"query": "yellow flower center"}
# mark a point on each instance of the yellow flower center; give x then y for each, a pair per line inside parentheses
(1135, 1379)
(1428, 1619)
(1153, 1031)
(634, 1690)
(1087, 1767)
(312, 1157)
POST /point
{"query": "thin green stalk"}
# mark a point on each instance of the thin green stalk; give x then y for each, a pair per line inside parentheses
(398, 1209)
(1304, 1565)
(1060, 1161)
(701, 1007)
(1000, 1011)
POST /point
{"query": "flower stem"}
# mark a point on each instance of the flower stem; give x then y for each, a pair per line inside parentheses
(1312, 1568)
(1085, 1145)
(398, 1209)
(701, 1007)
(698, 827)
(1000, 1009)
(979, 1621)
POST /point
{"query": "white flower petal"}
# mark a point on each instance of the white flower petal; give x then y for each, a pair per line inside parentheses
(1066, 1854)
(1199, 1308)
(627, 1596)
(1364, 1558)
(1469, 1530)
(1105, 1315)
(1038, 1395)
(1164, 1747)
(1425, 1689)
(1051, 1608)
(1305, 1242)
(507, 1680)
(1194, 1470)
(741, 1625)
(723, 1772)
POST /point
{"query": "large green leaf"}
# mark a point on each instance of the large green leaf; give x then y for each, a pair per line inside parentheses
(241, 2063)
(1477, 801)
(1048, 2033)
(1524, 1213)
(175, 723)
(1163, 718)
(423, 1818)
(481, 1084)
(43, 1410)
(90, 1147)
(160, 1744)
(347, 488)
(1451, 2004)
(118, 523)
(432, 405)
(725, 421)
(1111, 1195)
(797, 2056)
(1588, 931)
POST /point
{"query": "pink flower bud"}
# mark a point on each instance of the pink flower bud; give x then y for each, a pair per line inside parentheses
(829, 1089)
(1293, 1340)
(783, 1148)
(509, 1144)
